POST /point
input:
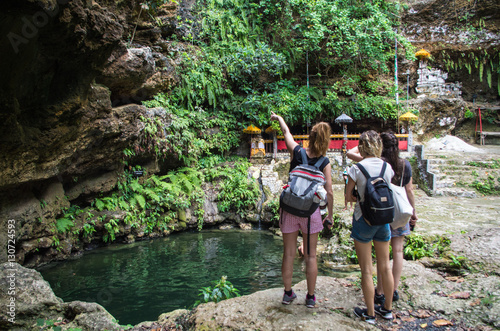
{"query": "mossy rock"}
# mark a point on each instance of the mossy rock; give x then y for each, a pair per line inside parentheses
(181, 215)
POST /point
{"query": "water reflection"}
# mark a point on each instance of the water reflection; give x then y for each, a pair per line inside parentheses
(138, 282)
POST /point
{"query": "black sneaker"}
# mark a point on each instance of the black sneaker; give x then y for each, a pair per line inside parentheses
(384, 313)
(395, 296)
(287, 299)
(364, 315)
(379, 299)
(310, 301)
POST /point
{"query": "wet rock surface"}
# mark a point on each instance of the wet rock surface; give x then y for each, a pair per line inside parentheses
(33, 300)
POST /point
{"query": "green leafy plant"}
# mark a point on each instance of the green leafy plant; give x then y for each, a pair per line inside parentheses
(221, 290)
(457, 261)
(489, 299)
(88, 229)
(493, 164)
(52, 325)
(112, 229)
(469, 114)
(416, 247)
(247, 64)
(488, 186)
(56, 243)
(65, 223)
(237, 192)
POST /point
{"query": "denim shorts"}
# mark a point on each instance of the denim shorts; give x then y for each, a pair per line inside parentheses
(365, 233)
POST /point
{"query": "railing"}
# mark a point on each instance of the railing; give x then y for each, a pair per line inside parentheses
(336, 142)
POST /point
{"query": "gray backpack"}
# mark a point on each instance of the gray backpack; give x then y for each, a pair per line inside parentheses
(299, 196)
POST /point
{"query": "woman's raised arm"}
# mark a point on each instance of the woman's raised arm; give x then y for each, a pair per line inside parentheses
(290, 143)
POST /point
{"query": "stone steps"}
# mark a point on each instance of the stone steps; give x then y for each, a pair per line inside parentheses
(456, 192)
(452, 173)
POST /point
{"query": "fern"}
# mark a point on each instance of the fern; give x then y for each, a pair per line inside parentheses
(99, 204)
(124, 205)
(140, 200)
(151, 194)
(135, 186)
(64, 224)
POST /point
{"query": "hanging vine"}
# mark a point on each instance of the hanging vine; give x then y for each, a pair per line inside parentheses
(483, 63)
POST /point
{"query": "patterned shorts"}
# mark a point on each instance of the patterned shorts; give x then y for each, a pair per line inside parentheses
(291, 223)
(400, 232)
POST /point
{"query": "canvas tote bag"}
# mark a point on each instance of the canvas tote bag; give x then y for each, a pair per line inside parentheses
(402, 207)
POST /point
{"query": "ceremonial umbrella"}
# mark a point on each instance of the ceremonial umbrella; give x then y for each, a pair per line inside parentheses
(251, 129)
(408, 117)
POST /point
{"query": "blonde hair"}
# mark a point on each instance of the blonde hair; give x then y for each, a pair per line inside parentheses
(319, 138)
(370, 144)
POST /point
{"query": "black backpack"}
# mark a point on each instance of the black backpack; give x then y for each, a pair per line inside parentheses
(378, 204)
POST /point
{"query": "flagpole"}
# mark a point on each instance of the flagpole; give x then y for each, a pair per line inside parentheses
(396, 81)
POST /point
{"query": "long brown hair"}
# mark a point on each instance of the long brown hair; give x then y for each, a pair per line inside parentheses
(319, 138)
(390, 154)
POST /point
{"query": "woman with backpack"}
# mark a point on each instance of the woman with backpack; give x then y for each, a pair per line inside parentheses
(402, 177)
(370, 148)
(319, 140)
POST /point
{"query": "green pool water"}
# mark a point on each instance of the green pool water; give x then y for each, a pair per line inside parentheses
(138, 282)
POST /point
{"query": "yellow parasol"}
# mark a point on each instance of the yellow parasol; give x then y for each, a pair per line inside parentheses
(422, 54)
(270, 130)
(251, 129)
(408, 117)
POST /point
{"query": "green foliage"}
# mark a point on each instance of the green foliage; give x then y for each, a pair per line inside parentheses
(202, 83)
(353, 258)
(221, 290)
(489, 299)
(56, 243)
(248, 65)
(154, 4)
(457, 261)
(494, 164)
(469, 114)
(481, 61)
(237, 192)
(274, 205)
(149, 201)
(244, 50)
(52, 325)
(226, 23)
(65, 223)
(487, 186)
(88, 229)
(416, 247)
(112, 229)
(190, 134)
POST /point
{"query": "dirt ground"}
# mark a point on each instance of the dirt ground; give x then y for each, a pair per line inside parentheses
(473, 226)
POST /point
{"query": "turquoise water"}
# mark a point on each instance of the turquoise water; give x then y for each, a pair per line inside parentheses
(138, 282)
